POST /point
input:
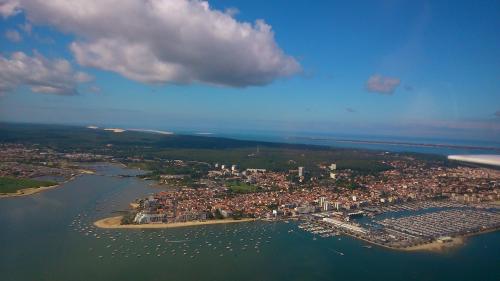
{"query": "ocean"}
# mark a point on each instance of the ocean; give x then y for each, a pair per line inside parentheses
(427, 145)
(49, 236)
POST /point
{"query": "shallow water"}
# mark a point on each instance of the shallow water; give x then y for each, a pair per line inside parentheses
(49, 236)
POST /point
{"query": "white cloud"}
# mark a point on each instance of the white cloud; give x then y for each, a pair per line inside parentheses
(166, 41)
(13, 36)
(232, 11)
(382, 85)
(42, 75)
(9, 7)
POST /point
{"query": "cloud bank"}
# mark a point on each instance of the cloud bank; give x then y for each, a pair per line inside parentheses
(164, 41)
(42, 75)
(382, 85)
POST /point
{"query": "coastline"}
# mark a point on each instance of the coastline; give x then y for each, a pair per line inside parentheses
(436, 246)
(29, 191)
(115, 223)
(34, 190)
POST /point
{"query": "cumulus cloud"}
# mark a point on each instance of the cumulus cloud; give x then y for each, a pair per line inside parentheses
(165, 41)
(42, 75)
(13, 36)
(382, 85)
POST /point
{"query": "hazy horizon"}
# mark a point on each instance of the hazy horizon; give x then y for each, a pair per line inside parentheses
(423, 69)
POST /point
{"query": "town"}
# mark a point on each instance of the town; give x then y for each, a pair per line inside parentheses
(330, 199)
(454, 201)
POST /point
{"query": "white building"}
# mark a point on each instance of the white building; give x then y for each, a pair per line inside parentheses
(302, 171)
(144, 218)
(322, 201)
(344, 225)
(327, 206)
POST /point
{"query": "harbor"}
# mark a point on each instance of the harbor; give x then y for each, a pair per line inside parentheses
(409, 226)
(236, 250)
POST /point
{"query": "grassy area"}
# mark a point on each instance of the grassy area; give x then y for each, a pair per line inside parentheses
(12, 185)
(241, 187)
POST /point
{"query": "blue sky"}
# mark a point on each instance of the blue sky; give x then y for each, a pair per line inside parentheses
(405, 68)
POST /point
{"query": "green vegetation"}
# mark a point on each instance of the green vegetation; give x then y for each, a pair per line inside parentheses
(241, 187)
(153, 152)
(12, 185)
(128, 218)
(347, 184)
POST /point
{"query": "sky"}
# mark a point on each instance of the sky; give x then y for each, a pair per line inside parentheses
(387, 68)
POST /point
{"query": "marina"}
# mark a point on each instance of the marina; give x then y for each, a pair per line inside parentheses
(408, 225)
(238, 249)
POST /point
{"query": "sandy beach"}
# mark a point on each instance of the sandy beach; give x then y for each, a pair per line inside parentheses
(436, 246)
(28, 191)
(115, 222)
(33, 190)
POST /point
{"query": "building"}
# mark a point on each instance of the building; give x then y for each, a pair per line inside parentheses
(333, 167)
(305, 209)
(345, 226)
(144, 218)
(322, 201)
(302, 171)
(337, 205)
(327, 206)
(256, 170)
(333, 175)
(234, 168)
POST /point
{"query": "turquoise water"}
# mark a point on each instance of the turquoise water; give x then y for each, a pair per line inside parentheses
(46, 237)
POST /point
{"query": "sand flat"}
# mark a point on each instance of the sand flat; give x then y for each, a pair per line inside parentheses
(115, 222)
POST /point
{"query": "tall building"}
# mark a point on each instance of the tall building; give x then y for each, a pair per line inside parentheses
(302, 171)
(333, 167)
(327, 206)
(322, 201)
(337, 205)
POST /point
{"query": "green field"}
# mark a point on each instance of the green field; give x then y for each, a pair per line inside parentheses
(12, 185)
(241, 187)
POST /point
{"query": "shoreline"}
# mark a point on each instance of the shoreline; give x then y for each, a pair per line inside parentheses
(29, 191)
(115, 223)
(34, 190)
(434, 246)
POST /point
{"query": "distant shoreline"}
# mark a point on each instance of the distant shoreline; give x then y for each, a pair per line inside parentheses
(29, 191)
(396, 143)
(115, 223)
(34, 190)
